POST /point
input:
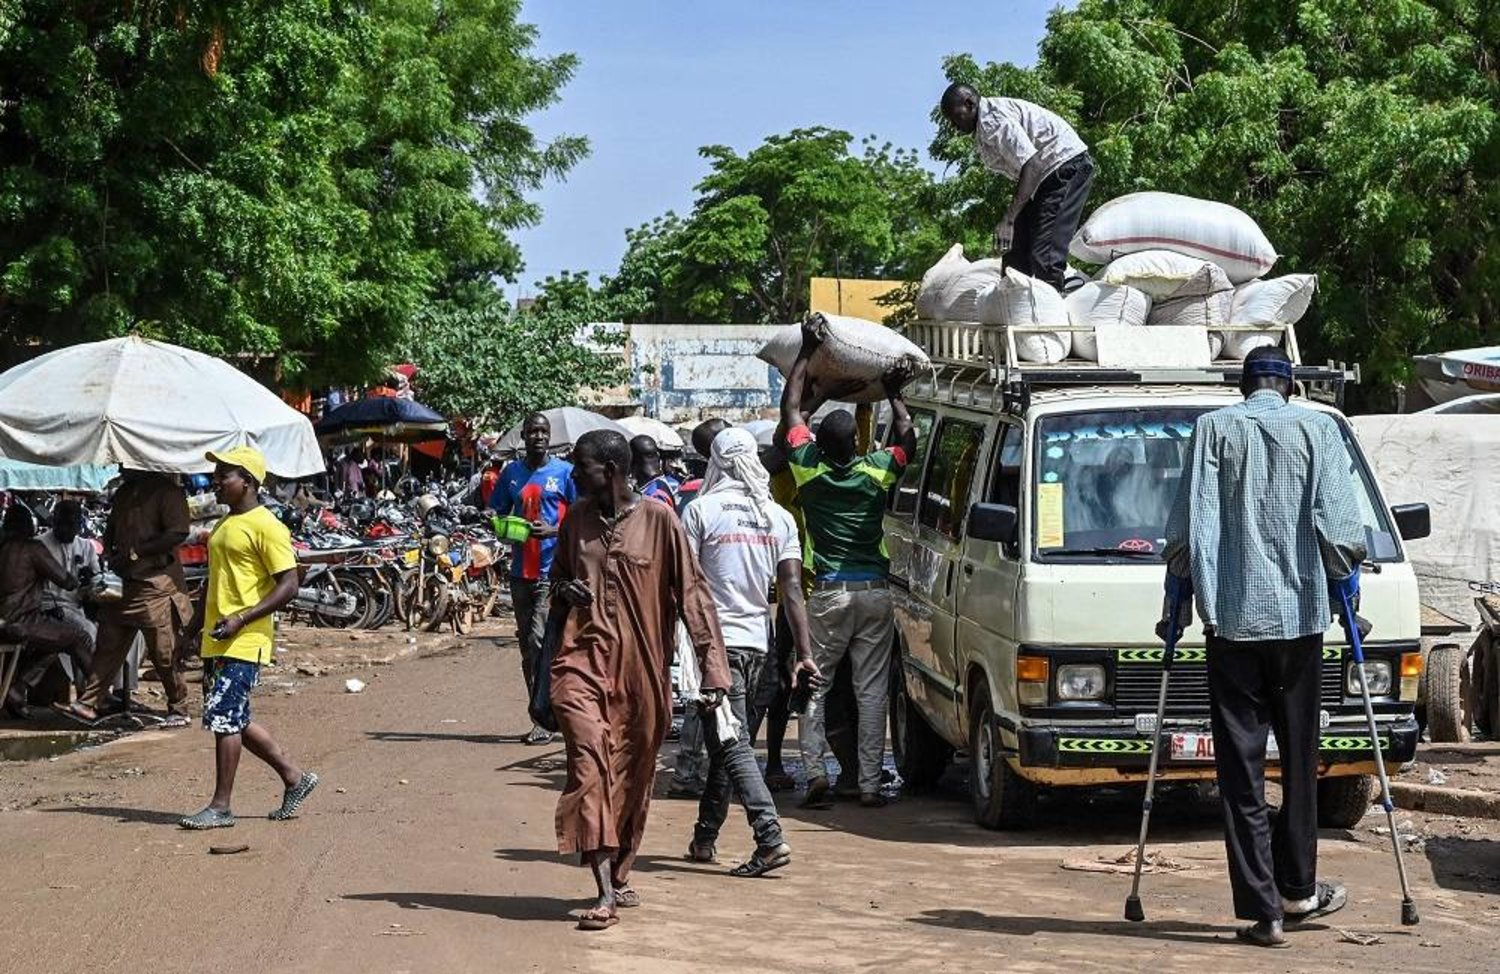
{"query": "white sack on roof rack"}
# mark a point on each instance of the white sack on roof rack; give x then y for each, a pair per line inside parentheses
(1021, 300)
(1278, 301)
(1164, 274)
(1097, 304)
(853, 349)
(951, 288)
(1205, 229)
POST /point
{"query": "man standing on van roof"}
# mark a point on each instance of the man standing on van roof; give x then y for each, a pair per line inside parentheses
(843, 496)
(1266, 530)
(1050, 165)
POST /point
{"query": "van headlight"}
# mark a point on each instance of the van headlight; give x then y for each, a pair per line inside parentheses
(1082, 681)
(1377, 678)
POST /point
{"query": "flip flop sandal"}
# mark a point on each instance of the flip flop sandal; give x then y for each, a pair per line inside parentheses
(1331, 899)
(293, 797)
(697, 853)
(70, 711)
(169, 722)
(598, 918)
(763, 861)
(208, 818)
(627, 898)
(1252, 935)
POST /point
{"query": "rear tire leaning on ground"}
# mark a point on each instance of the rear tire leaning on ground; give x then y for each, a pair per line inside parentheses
(1002, 799)
(1342, 802)
(1449, 711)
(921, 755)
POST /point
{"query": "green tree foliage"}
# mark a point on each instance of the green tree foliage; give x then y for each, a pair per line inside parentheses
(483, 359)
(1362, 136)
(798, 206)
(290, 181)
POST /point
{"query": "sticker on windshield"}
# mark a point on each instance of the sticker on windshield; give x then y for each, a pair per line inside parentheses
(1049, 515)
(1055, 452)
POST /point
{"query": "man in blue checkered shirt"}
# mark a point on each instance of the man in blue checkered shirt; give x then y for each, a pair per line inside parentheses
(1266, 526)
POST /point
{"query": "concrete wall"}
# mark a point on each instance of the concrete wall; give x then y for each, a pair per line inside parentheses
(686, 373)
(851, 296)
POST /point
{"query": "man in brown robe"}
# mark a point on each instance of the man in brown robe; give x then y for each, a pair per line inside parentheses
(623, 575)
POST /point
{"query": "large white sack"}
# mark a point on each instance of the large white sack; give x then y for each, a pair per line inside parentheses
(1097, 303)
(1278, 301)
(1164, 274)
(1205, 229)
(852, 349)
(951, 288)
(1018, 299)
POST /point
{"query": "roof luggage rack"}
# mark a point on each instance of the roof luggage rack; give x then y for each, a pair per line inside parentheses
(979, 365)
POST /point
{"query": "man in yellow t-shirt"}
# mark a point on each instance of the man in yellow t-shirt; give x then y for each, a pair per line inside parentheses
(252, 572)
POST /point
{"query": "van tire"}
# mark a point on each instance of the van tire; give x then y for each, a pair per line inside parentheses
(1449, 712)
(1342, 802)
(921, 754)
(1002, 799)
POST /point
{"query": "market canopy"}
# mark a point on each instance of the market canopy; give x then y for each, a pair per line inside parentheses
(148, 405)
(568, 424)
(87, 479)
(388, 417)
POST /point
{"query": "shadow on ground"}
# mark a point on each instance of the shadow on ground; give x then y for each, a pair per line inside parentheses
(502, 907)
(1201, 934)
(145, 815)
(410, 737)
(1472, 865)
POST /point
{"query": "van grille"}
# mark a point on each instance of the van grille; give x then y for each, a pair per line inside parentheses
(1136, 686)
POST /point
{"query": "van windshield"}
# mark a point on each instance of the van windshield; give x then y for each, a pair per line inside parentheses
(1105, 483)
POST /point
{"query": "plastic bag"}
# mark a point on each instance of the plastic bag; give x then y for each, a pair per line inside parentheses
(1204, 229)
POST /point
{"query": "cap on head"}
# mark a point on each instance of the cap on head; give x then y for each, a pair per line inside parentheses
(247, 458)
(1267, 367)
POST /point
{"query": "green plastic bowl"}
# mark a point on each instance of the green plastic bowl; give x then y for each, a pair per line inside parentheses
(511, 528)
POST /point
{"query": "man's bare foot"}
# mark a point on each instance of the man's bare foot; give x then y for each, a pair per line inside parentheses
(601, 916)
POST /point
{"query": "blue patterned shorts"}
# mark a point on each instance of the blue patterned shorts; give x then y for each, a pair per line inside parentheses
(226, 693)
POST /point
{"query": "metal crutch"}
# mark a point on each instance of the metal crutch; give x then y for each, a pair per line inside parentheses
(1133, 909)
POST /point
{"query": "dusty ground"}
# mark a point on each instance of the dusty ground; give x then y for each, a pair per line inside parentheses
(429, 848)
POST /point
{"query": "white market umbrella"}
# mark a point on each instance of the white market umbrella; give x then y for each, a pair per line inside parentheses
(568, 424)
(762, 429)
(147, 405)
(665, 436)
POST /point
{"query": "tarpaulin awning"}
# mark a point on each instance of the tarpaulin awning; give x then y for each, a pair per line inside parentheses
(87, 479)
(383, 416)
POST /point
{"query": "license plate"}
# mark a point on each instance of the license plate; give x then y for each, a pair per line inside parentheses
(1199, 746)
(411, 557)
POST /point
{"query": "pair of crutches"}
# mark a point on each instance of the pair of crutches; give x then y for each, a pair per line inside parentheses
(1133, 910)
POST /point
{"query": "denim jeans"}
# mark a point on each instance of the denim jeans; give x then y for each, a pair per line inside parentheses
(733, 763)
(530, 601)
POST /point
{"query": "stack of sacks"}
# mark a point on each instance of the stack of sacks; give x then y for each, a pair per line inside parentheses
(1184, 290)
(1099, 304)
(1214, 232)
(983, 291)
(852, 350)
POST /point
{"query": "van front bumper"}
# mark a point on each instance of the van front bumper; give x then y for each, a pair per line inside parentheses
(1063, 746)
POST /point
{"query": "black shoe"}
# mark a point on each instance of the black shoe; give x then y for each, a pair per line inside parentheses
(1331, 899)
(1266, 933)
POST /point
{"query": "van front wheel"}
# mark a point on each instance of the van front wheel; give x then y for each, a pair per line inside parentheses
(1002, 798)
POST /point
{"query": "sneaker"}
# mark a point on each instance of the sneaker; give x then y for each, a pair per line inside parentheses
(208, 818)
(1327, 898)
(293, 797)
(539, 735)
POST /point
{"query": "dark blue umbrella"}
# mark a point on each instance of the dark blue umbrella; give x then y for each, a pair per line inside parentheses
(384, 416)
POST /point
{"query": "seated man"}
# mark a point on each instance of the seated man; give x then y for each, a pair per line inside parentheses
(24, 566)
(79, 559)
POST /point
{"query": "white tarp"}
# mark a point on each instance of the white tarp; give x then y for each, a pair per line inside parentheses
(149, 405)
(1448, 463)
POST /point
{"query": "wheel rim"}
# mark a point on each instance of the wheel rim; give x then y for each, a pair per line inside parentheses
(984, 759)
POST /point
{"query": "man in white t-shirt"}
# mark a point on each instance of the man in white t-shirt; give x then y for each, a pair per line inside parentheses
(743, 540)
(1041, 153)
(79, 559)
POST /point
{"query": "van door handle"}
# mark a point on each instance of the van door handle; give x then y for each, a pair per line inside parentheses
(968, 569)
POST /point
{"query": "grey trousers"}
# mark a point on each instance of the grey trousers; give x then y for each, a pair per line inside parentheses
(859, 625)
(733, 763)
(531, 604)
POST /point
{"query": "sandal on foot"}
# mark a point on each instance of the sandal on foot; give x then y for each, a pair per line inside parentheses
(702, 853)
(1266, 933)
(763, 861)
(1331, 898)
(626, 898)
(538, 735)
(208, 818)
(76, 715)
(780, 781)
(817, 797)
(598, 918)
(170, 721)
(293, 797)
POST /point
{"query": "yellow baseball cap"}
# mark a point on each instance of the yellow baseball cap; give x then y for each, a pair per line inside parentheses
(247, 458)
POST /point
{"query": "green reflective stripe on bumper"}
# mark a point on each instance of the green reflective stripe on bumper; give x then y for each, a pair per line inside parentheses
(1102, 745)
(1344, 743)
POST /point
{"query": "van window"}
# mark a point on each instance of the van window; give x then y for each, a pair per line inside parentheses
(1005, 481)
(950, 474)
(1105, 483)
(904, 500)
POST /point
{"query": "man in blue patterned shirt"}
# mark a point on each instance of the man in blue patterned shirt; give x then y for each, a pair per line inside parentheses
(1266, 523)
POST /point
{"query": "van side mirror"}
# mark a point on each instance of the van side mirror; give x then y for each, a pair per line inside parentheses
(1413, 521)
(994, 522)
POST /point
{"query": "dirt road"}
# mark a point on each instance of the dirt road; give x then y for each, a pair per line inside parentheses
(429, 848)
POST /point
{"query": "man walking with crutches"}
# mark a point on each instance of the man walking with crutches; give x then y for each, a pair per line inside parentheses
(1266, 531)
